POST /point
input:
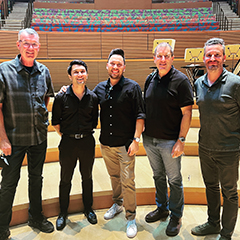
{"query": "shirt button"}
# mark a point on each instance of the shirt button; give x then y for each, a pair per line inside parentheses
(110, 124)
(209, 90)
(110, 97)
(110, 116)
(110, 133)
(110, 106)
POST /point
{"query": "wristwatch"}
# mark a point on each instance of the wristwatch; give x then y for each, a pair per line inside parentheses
(137, 139)
(182, 139)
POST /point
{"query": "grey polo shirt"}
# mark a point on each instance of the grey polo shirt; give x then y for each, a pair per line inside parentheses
(219, 107)
(22, 95)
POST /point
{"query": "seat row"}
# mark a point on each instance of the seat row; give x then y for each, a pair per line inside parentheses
(197, 19)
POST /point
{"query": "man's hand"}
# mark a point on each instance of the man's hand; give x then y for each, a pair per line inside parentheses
(133, 148)
(6, 147)
(177, 149)
(63, 88)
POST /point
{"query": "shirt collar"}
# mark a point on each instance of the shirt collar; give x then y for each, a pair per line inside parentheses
(20, 66)
(168, 75)
(118, 85)
(70, 91)
(222, 78)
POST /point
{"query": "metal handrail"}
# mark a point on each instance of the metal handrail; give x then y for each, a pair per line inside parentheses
(224, 23)
(28, 18)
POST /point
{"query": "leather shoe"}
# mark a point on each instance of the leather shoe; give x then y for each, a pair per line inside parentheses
(173, 226)
(91, 216)
(61, 221)
(157, 214)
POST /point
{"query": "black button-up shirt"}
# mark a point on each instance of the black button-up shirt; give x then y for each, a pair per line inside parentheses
(74, 115)
(121, 105)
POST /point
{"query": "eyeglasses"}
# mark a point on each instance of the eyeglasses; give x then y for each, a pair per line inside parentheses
(107, 96)
(27, 44)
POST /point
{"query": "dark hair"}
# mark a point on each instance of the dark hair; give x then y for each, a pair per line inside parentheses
(76, 62)
(215, 41)
(117, 51)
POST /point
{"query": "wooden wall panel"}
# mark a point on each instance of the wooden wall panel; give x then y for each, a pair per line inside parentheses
(181, 5)
(135, 45)
(63, 5)
(123, 4)
(65, 45)
(58, 49)
(8, 47)
(111, 41)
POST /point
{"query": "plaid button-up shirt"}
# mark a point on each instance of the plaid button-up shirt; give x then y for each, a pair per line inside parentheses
(23, 97)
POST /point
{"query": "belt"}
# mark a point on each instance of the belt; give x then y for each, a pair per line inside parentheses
(78, 135)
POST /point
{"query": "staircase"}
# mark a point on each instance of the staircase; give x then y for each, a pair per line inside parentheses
(14, 21)
(232, 17)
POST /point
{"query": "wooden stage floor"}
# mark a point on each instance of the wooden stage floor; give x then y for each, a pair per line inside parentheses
(79, 228)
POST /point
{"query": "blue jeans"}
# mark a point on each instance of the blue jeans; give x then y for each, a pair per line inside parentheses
(221, 168)
(11, 175)
(165, 168)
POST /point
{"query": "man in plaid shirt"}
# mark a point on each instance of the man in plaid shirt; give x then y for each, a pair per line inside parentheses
(25, 88)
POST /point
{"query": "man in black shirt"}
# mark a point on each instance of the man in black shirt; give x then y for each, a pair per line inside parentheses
(74, 115)
(122, 120)
(168, 100)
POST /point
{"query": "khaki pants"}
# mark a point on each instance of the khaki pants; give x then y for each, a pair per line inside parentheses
(120, 167)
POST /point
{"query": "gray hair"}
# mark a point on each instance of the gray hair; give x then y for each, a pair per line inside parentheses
(29, 31)
(163, 44)
(215, 41)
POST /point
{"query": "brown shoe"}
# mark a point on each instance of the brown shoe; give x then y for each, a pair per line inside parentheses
(156, 215)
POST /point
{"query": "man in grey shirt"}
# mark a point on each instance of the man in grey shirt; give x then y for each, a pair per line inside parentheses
(218, 100)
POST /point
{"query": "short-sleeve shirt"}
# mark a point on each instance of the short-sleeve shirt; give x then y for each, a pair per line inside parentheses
(164, 97)
(219, 108)
(121, 105)
(23, 97)
(73, 115)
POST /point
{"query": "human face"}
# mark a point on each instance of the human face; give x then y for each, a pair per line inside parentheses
(214, 58)
(28, 46)
(163, 60)
(78, 75)
(115, 67)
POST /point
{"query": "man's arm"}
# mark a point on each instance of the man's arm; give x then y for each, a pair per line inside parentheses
(5, 145)
(134, 146)
(185, 124)
(46, 100)
(57, 128)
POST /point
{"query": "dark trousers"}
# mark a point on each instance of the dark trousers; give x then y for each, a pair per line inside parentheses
(11, 175)
(71, 149)
(221, 167)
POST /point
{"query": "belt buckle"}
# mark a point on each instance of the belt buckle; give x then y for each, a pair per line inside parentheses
(78, 136)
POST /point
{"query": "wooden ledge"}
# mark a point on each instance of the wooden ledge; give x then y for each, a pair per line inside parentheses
(191, 149)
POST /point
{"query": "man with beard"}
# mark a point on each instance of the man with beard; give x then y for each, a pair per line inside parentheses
(74, 116)
(218, 99)
(122, 120)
